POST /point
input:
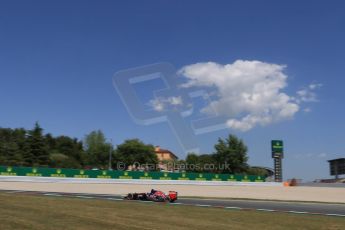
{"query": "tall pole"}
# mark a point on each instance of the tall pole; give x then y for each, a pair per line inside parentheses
(110, 153)
(278, 172)
(277, 155)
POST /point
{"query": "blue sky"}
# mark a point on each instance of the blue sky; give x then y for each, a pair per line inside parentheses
(57, 60)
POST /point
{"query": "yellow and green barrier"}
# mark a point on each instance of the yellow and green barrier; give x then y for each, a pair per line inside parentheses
(113, 174)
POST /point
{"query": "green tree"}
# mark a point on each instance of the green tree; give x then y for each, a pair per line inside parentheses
(208, 163)
(201, 163)
(5, 137)
(231, 155)
(192, 158)
(257, 171)
(97, 149)
(38, 154)
(59, 160)
(20, 138)
(135, 151)
(71, 148)
(13, 145)
(193, 162)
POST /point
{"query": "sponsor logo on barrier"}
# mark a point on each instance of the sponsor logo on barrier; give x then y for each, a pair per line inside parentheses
(81, 176)
(104, 175)
(34, 173)
(8, 172)
(183, 178)
(245, 179)
(216, 178)
(232, 178)
(125, 176)
(58, 174)
(165, 177)
(200, 177)
(146, 176)
(259, 179)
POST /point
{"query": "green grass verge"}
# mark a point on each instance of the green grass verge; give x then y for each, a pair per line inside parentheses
(41, 212)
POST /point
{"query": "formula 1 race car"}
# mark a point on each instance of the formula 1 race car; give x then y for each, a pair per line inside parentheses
(154, 195)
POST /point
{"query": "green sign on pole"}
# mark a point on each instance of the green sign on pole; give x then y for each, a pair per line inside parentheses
(277, 148)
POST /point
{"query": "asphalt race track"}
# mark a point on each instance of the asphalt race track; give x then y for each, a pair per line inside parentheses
(306, 208)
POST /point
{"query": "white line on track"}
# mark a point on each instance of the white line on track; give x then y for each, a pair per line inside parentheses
(298, 212)
(203, 205)
(330, 214)
(265, 210)
(52, 194)
(233, 208)
(110, 198)
(85, 197)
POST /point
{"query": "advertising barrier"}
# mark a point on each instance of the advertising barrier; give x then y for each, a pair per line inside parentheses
(114, 174)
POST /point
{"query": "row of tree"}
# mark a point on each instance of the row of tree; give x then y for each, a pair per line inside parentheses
(20, 147)
(230, 156)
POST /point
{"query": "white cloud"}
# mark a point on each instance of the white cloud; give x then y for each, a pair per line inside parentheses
(160, 104)
(315, 86)
(249, 93)
(175, 100)
(307, 110)
(307, 94)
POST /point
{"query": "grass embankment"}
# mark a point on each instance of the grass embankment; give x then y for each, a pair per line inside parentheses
(40, 212)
